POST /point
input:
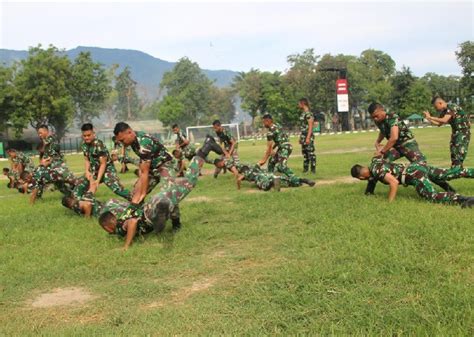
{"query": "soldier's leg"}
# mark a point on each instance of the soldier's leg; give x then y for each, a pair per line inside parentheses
(412, 152)
(306, 157)
(282, 166)
(312, 155)
(264, 181)
(436, 173)
(392, 155)
(459, 146)
(112, 181)
(272, 162)
(82, 186)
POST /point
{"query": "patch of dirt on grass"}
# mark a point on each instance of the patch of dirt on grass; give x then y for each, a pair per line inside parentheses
(340, 180)
(353, 150)
(63, 297)
(200, 198)
(180, 296)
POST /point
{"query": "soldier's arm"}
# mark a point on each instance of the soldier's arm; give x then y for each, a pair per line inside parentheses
(268, 151)
(393, 183)
(142, 186)
(33, 195)
(232, 146)
(131, 226)
(86, 208)
(103, 165)
(87, 167)
(380, 137)
(391, 141)
(310, 130)
(443, 120)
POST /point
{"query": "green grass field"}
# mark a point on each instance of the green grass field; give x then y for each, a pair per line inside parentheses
(323, 260)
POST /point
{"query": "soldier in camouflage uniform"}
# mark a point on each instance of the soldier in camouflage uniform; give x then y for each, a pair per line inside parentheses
(278, 139)
(251, 173)
(12, 176)
(418, 175)
(178, 162)
(460, 126)
(400, 140)
(229, 142)
(121, 154)
(45, 174)
(182, 143)
(155, 161)
(98, 166)
(20, 161)
(50, 149)
(88, 206)
(307, 136)
(122, 219)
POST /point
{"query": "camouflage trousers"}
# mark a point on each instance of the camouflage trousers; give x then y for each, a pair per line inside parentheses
(459, 145)
(175, 190)
(455, 172)
(110, 179)
(279, 162)
(409, 150)
(308, 152)
(165, 173)
(59, 175)
(189, 151)
(262, 179)
(418, 175)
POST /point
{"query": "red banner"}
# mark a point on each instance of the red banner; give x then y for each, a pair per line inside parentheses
(342, 87)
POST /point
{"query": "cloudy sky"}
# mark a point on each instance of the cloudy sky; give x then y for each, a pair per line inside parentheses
(240, 35)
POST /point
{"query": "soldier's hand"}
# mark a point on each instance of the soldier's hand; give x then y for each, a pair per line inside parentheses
(426, 114)
(307, 141)
(378, 153)
(261, 162)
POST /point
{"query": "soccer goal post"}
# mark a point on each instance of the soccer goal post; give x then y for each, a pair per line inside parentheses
(197, 134)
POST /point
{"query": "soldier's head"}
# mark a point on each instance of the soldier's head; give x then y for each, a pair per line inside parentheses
(88, 134)
(68, 201)
(267, 120)
(360, 172)
(219, 163)
(176, 153)
(124, 133)
(217, 126)
(6, 171)
(438, 103)
(377, 112)
(175, 128)
(303, 103)
(26, 176)
(11, 153)
(43, 131)
(108, 222)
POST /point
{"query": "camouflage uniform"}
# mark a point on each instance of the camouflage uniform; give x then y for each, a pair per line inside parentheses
(93, 152)
(150, 149)
(279, 160)
(189, 151)
(406, 145)
(60, 176)
(24, 160)
(97, 207)
(175, 191)
(307, 149)
(52, 150)
(262, 178)
(225, 138)
(125, 158)
(415, 174)
(461, 133)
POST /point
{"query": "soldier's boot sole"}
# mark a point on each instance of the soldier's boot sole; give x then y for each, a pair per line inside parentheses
(161, 211)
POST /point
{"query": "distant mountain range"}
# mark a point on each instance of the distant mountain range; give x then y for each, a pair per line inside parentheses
(146, 69)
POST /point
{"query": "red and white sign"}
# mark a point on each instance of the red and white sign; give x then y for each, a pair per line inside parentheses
(342, 91)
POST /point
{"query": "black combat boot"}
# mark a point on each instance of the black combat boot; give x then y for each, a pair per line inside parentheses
(159, 214)
(208, 146)
(176, 224)
(307, 181)
(305, 169)
(466, 202)
(313, 169)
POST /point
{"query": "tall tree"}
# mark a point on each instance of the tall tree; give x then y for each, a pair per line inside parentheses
(447, 87)
(43, 82)
(418, 99)
(221, 104)
(128, 103)
(90, 87)
(249, 86)
(465, 56)
(188, 95)
(8, 96)
(401, 83)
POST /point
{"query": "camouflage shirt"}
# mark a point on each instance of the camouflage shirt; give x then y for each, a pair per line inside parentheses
(97, 208)
(277, 135)
(226, 138)
(93, 152)
(459, 119)
(304, 121)
(379, 168)
(123, 213)
(391, 120)
(148, 148)
(180, 138)
(246, 170)
(52, 149)
(24, 160)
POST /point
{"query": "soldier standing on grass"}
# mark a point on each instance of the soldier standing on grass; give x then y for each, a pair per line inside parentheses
(277, 140)
(99, 167)
(416, 174)
(229, 142)
(307, 136)
(460, 126)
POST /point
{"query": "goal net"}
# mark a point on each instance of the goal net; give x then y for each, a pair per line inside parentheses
(197, 134)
